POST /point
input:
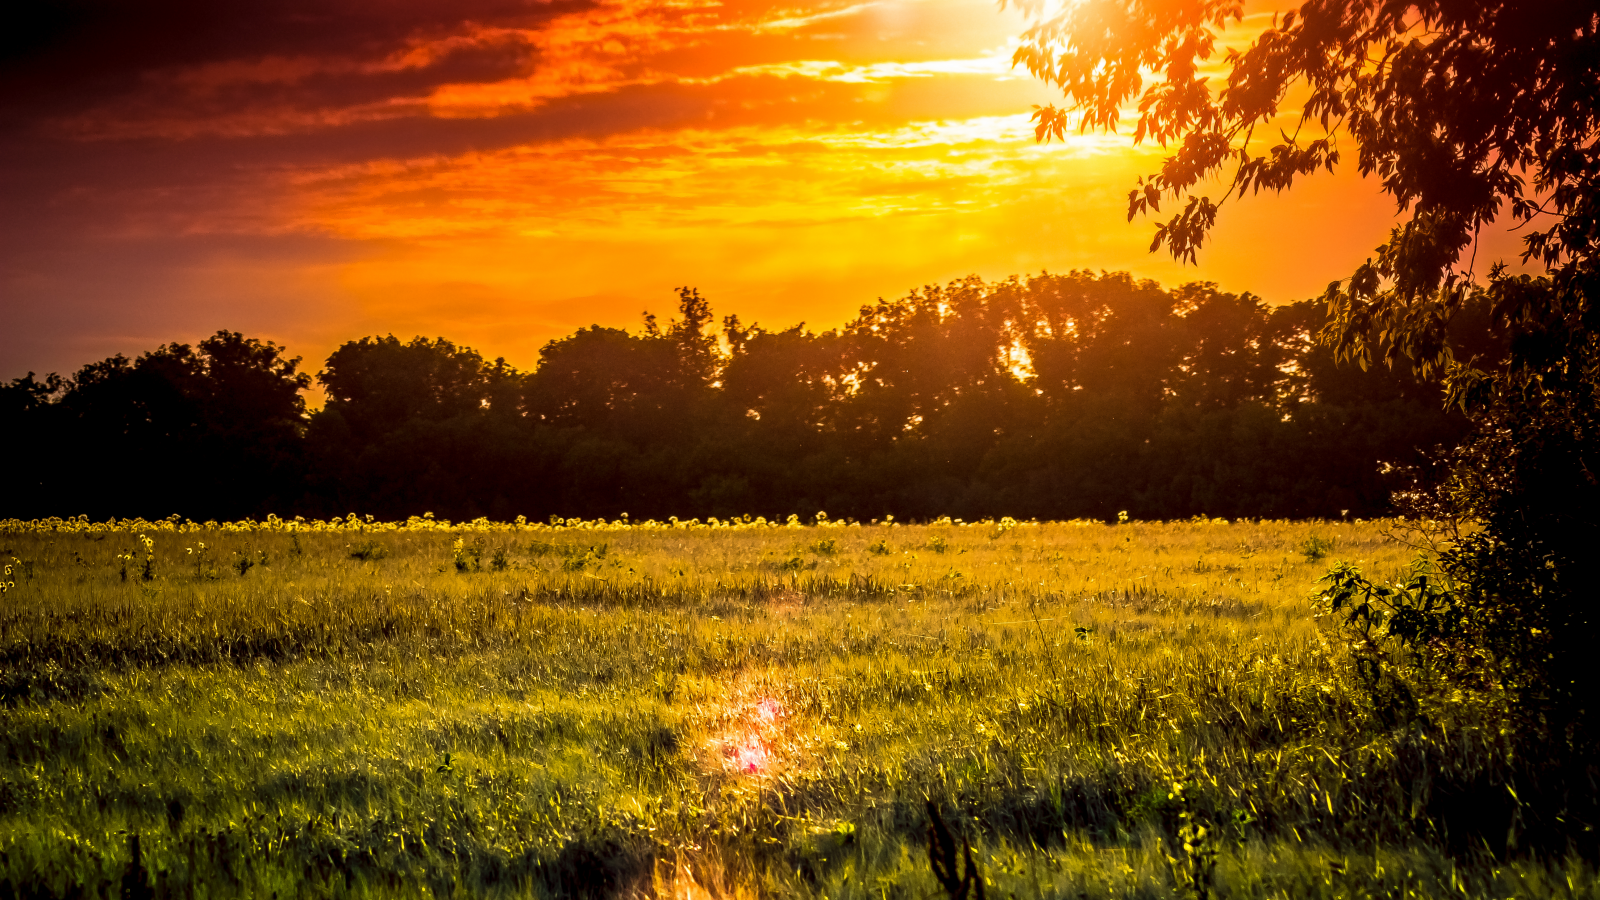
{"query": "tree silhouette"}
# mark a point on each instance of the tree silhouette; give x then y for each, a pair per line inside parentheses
(420, 426)
(791, 381)
(1100, 336)
(1068, 395)
(377, 384)
(1230, 355)
(637, 386)
(214, 429)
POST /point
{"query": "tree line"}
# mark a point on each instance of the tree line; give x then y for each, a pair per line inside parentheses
(1054, 396)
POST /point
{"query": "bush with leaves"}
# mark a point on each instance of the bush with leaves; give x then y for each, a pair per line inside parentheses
(1466, 112)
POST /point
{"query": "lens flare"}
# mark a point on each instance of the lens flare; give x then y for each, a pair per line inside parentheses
(752, 756)
(751, 746)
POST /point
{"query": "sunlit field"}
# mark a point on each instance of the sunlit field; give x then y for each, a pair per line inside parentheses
(732, 709)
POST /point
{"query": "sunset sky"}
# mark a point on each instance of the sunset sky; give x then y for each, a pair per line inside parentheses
(501, 172)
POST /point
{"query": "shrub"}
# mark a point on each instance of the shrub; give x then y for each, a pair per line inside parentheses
(369, 552)
(1315, 548)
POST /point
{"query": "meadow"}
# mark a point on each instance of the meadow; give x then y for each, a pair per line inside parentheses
(729, 709)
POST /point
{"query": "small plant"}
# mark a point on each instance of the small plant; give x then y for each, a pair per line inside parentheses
(242, 563)
(1421, 625)
(879, 549)
(136, 878)
(295, 547)
(959, 883)
(202, 554)
(1122, 517)
(467, 558)
(499, 561)
(938, 544)
(825, 547)
(370, 552)
(145, 568)
(575, 562)
(666, 684)
(1316, 548)
(199, 558)
(1195, 870)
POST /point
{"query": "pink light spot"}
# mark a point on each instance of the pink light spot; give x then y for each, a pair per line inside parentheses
(751, 756)
(769, 710)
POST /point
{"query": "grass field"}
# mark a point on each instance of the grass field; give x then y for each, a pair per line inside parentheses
(725, 710)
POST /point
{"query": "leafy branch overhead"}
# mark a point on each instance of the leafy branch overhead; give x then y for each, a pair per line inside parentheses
(1463, 111)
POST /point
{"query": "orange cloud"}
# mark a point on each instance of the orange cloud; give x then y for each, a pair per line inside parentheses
(504, 173)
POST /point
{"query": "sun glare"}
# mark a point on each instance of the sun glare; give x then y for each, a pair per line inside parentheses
(793, 161)
(749, 745)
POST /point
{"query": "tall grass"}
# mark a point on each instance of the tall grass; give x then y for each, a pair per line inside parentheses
(732, 709)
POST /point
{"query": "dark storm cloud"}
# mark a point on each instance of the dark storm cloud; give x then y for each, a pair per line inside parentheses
(159, 185)
(59, 59)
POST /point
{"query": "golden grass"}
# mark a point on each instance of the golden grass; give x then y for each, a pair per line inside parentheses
(716, 711)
